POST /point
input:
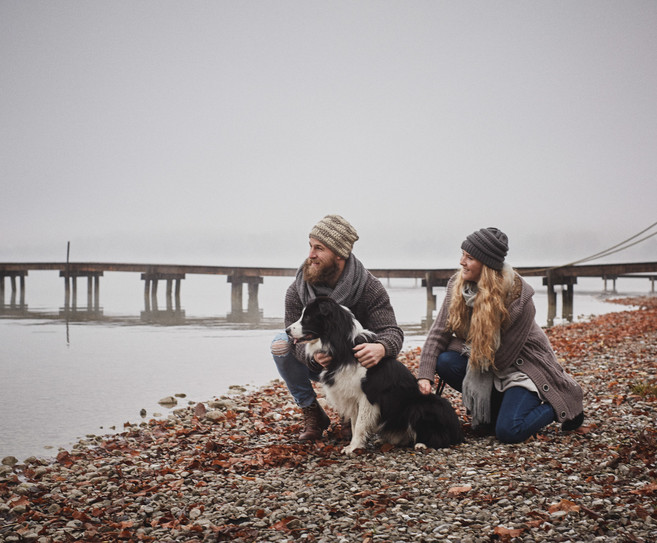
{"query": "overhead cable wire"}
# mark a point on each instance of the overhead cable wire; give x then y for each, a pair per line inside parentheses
(618, 247)
(609, 251)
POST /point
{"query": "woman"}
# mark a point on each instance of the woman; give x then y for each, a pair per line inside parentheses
(486, 344)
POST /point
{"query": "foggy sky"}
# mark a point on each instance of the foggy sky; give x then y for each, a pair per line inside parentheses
(219, 132)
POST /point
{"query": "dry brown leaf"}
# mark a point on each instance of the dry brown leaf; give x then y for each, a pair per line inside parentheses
(456, 490)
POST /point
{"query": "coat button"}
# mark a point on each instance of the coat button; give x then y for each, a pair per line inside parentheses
(563, 415)
(546, 388)
(520, 362)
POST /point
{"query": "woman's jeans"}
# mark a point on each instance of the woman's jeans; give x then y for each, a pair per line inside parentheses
(297, 376)
(521, 412)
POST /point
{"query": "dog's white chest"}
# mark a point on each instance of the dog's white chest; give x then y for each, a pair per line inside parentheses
(346, 391)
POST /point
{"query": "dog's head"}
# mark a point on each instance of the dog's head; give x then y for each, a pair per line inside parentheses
(325, 325)
(316, 319)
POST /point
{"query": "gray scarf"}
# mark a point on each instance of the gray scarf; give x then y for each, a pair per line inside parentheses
(477, 389)
(348, 290)
(477, 385)
(469, 292)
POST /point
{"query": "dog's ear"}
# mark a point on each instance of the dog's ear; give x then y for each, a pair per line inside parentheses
(325, 308)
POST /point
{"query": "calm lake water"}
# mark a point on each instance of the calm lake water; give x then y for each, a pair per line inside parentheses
(62, 380)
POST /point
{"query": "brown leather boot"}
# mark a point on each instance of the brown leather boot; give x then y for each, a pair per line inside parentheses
(315, 422)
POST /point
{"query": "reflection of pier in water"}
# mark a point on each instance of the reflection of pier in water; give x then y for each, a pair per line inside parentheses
(173, 275)
(161, 317)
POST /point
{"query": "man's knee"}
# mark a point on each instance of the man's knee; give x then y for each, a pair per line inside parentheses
(280, 346)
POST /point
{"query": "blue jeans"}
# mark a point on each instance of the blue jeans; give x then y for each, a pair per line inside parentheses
(521, 412)
(297, 375)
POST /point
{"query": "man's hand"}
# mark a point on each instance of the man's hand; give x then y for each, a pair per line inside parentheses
(424, 385)
(369, 354)
(323, 359)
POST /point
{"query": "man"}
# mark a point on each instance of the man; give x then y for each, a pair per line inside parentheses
(332, 270)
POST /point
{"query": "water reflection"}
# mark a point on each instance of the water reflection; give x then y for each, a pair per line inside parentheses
(167, 317)
(163, 317)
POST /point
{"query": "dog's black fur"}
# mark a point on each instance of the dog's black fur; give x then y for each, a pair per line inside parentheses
(384, 399)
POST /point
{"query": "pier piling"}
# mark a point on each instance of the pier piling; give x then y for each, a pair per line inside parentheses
(236, 298)
(151, 280)
(15, 290)
(71, 289)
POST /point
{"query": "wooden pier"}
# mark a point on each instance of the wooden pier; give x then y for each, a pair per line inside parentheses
(252, 277)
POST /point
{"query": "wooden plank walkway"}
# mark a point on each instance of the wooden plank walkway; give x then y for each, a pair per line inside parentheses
(238, 276)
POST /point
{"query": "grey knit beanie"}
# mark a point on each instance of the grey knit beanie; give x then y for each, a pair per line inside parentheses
(489, 246)
(336, 233)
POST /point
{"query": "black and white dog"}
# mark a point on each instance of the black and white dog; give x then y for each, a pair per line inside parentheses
(384, 399)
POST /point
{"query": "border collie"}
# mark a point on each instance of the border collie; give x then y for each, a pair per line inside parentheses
(384, 399)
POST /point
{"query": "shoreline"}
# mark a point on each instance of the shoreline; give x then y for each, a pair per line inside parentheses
(230, 469)
(103, 401)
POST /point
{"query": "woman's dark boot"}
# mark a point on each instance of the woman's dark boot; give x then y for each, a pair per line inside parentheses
(573, 424)
(315, 422)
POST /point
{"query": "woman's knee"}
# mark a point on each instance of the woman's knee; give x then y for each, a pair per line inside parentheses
(280, 346)
(451, 364)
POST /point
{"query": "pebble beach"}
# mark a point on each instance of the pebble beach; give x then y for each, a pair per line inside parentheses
(230, 469)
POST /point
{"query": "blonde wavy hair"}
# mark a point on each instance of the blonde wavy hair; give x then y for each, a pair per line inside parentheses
(481, 325)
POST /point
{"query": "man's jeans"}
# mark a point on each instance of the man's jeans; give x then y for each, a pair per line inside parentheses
(297, 376)
(521, 413)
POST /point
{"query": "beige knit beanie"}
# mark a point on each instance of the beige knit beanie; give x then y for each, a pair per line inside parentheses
(336, 233)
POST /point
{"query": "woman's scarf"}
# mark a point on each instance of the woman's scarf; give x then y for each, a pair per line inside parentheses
(469, 292)
(477, 390)
(477, 385)
(347, 291)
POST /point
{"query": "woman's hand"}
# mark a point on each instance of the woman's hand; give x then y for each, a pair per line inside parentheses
(424, 385)
(369, 354)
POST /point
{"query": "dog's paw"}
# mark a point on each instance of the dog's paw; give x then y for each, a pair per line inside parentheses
(351, 448)
(420, 447)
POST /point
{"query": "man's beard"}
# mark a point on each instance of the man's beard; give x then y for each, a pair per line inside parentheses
(323, 274)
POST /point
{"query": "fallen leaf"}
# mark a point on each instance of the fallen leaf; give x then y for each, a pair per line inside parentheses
(505, 534)
(564, 505)
(456, 490)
